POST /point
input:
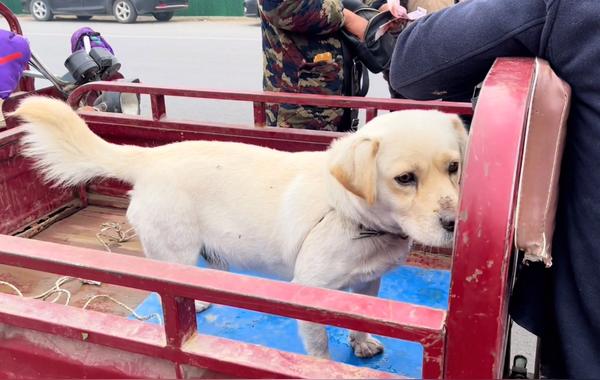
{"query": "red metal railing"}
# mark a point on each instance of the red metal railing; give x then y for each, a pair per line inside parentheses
(467, 343)
(485, 229)
(260, 99)
(179, 285)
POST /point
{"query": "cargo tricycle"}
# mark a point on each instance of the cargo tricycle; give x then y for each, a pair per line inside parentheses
(80, 293)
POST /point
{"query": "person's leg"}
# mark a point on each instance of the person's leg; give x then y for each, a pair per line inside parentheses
(446, 54)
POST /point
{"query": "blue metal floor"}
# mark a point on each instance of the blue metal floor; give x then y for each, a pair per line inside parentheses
(407, 284)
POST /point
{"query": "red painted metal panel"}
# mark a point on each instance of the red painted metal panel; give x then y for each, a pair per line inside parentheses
(484, 238)
(27, 354)
(217, 354)
(23, 197)
(371, 113)
(260, 115)
(159, 108)
(434, 354)
(135, 130)
(180, 319)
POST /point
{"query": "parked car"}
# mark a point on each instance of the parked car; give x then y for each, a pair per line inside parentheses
(125, 11)
(251, 8)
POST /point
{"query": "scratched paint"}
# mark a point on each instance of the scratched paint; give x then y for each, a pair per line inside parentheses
(407, 284)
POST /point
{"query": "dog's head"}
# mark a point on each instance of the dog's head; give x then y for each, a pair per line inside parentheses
(401, 172)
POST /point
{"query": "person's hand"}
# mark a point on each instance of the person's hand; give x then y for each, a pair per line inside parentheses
(395, 8)
(355, 24)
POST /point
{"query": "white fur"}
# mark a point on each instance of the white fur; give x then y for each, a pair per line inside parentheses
(292, 215)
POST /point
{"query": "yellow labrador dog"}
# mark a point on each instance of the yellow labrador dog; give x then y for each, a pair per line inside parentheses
(337, 219)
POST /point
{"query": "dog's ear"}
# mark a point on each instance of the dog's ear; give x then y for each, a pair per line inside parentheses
(461, 135)
(355, 167)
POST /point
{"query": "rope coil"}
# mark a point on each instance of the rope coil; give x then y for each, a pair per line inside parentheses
(112, 233)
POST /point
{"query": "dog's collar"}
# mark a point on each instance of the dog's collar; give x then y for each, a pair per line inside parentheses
(365, 233)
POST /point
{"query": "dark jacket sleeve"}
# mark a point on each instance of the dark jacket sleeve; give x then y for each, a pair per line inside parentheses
(448, 52)
(304, 16)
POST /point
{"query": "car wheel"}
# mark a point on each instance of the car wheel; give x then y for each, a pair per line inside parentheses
(163, 16)
(84, 18)
(40, 10)
(124, 11)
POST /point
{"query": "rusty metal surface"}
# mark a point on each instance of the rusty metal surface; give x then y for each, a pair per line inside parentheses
(477, 323)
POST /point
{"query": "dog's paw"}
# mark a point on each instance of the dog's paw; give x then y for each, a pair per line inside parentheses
(201, 306)
(367, 347)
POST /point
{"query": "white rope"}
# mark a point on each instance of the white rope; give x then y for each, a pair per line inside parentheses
(112, 233)
(14, 288)
(56, 289)
(136, 315)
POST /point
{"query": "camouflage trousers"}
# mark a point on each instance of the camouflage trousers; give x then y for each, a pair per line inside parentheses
(304, 117)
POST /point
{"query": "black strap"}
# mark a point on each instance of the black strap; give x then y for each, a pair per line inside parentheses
(365, 233)
(355, 83)
(364, 81)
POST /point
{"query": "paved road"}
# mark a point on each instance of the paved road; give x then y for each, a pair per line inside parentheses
(217, 53)
(190, 52)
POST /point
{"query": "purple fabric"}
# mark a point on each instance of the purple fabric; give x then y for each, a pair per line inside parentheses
(96, 40)
(14, 55)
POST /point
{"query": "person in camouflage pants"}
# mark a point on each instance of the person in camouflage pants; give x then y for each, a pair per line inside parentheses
(303, 53)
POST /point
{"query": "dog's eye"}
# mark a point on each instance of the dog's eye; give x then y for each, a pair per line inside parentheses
(406, 179)
(453, 167)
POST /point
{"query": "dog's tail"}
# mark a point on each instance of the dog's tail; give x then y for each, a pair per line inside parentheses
(66, 150)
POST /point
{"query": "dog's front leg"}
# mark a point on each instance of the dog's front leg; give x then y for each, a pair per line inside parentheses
(364, 345)
(314, 335)
(315, 339)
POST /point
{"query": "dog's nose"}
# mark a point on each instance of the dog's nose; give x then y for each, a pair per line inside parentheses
(447, 224)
